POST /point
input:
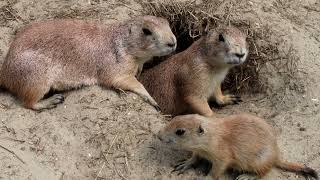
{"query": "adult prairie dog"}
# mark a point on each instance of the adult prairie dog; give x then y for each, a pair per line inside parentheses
(67, 54)
(242, 142)
(186, 81)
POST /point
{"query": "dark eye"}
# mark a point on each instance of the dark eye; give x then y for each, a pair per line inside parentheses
(221, 38)
(146, 31)
(180, 131)
(200, 130)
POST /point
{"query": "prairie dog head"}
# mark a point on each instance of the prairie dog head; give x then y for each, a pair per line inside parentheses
(225, 46)
(185, 131)
(151, 37)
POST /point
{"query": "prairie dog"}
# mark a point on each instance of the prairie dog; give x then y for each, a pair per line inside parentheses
(187, 80)
(242, 142)
(66, 54)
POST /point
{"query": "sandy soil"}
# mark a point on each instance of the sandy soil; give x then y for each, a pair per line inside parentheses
(99, 134)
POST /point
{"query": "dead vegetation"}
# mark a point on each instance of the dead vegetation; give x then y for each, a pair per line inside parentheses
(187, 17)
(7, 13)
(92, 11)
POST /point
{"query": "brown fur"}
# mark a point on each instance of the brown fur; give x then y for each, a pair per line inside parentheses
(187, 80)
(67, 54)
(242, 142)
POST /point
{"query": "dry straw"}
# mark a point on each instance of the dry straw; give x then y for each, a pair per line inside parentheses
(186, 19)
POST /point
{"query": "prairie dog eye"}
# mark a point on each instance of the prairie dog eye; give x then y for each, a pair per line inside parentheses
(180, 131)
(146, 31)
(221, 38)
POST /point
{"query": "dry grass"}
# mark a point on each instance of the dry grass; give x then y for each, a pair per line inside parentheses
(7, 13)
(95, 10)
(187, 17)
(81, 13)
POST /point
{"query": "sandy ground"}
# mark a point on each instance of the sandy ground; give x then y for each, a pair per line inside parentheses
(99, 134)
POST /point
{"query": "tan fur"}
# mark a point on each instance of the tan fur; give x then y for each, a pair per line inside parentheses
(242, 142)
(186, 81)
(67, 54)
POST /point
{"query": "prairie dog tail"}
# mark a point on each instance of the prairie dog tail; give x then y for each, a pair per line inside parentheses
(296, 167)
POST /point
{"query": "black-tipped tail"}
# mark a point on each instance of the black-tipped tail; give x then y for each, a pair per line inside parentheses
(297, 167)
(306, 171)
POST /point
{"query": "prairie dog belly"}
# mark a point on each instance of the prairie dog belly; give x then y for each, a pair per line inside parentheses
(214, 81)
(63, 79)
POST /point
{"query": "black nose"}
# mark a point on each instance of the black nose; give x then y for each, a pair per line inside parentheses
(171, 44)
(239, 55)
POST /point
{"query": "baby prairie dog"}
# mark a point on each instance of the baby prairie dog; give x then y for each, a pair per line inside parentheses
(242, 142)
(186, 81)
(67, 54)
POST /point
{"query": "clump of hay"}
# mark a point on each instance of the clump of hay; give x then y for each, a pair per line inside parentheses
(78, 13)
(7, 13)
(186, 19)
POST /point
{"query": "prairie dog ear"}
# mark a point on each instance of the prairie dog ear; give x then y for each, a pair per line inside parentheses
(135, 28)
(205, 27)
(132, 28)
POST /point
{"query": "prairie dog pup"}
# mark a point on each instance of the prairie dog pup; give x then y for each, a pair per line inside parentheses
(242, 142)
(66, 54)
(187, 80)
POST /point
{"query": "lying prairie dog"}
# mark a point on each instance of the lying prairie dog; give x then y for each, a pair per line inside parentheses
(67, 54)
(186, 81)
(242, 142)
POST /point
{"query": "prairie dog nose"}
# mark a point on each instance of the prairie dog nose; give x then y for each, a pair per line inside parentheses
(240, 55)
(173, 42)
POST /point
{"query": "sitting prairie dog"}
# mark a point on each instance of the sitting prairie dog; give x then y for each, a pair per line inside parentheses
(186, 81)
(242, 142)
(67, 54)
